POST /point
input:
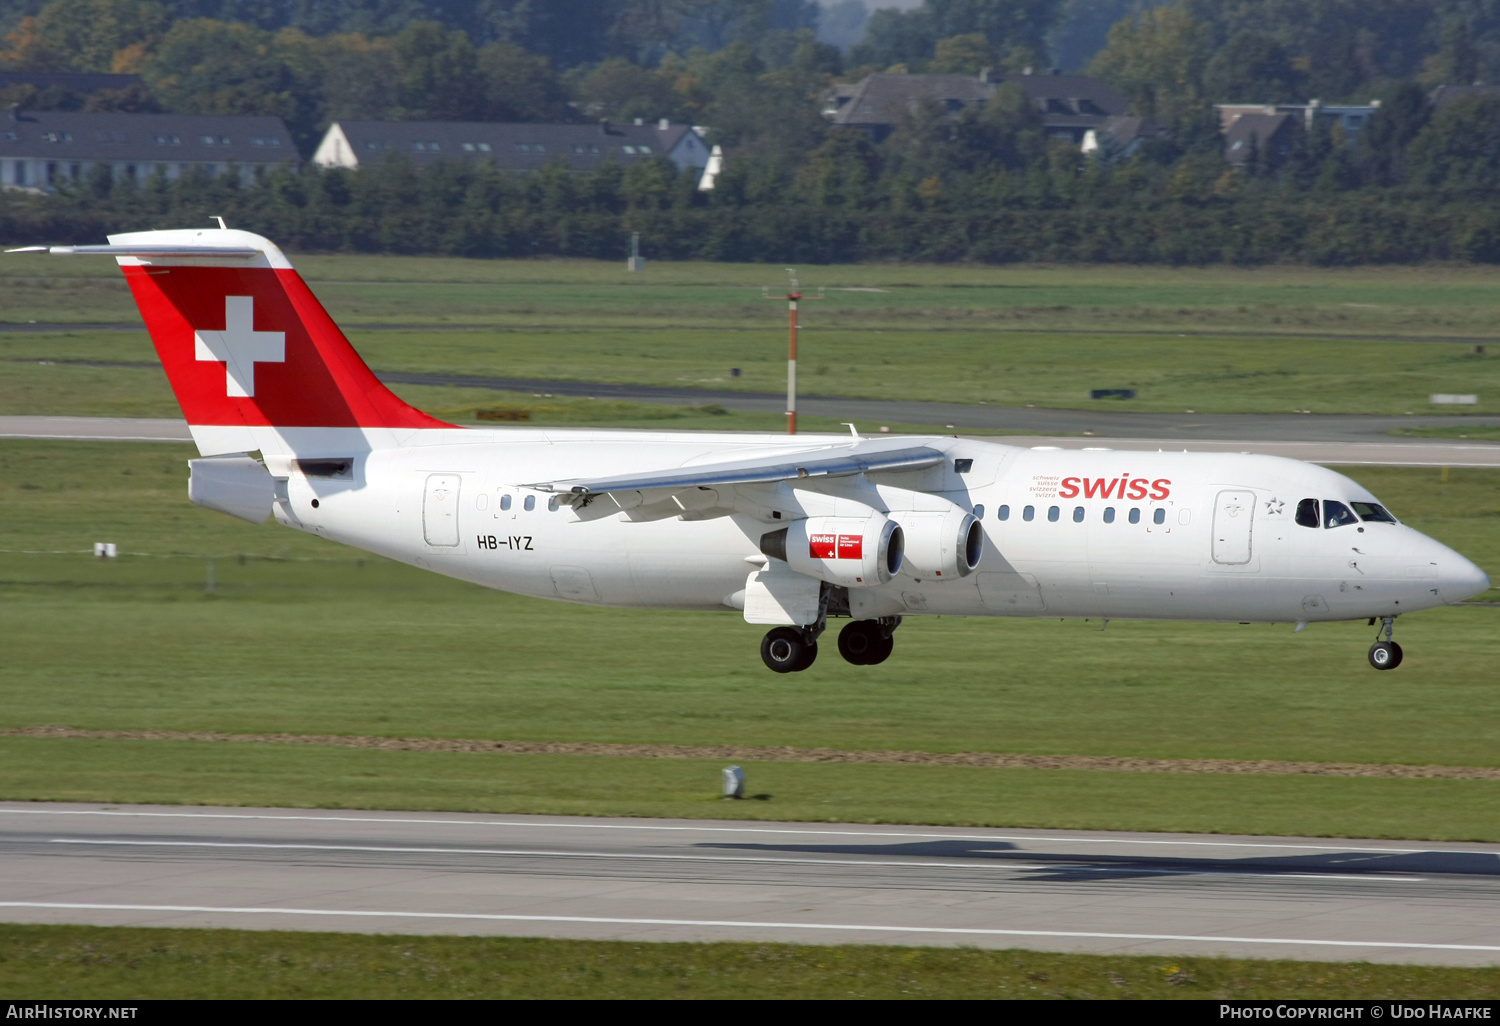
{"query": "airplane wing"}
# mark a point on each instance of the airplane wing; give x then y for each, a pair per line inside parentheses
(842, 461)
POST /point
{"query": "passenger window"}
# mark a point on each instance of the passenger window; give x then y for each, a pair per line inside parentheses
(1336, 514)
(1004, 512)
(1135, 516)
(1077, 514)
(1159, 517)
(1029, 513)
(1307, 512)
(505, 501)
(1372, 512)
(553, 503)
(1053, 513)
(1109, 514)
(530, 503)
(979, 512)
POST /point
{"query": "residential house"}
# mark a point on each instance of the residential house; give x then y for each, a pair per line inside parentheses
(1350, 118)
(1070, 105)
(1264, 138)
(514, 146)
(41, 149)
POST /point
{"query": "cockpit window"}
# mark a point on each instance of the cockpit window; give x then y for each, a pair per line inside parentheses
(1307, 512)
(1336, 514)
(1372, 512)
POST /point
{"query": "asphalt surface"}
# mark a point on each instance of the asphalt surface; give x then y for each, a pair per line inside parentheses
(1387, 452)
(641, 879)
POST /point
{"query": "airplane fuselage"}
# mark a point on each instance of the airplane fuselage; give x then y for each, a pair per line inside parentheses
(1067, 533)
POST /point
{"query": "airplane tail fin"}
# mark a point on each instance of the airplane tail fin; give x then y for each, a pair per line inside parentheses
(253, 358)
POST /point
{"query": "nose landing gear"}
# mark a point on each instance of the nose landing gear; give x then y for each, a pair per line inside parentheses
(1385, 655)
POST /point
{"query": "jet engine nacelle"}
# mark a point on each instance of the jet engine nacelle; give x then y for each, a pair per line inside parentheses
(943, 545)
(856, 552)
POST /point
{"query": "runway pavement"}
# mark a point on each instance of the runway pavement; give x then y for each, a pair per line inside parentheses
(641, 879)
(1388, 452)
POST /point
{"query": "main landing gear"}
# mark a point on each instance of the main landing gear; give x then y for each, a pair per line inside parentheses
(862, 642)
(1385, 655)
(867, 642)
(789, 649)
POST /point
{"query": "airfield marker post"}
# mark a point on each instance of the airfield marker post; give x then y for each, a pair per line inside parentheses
(793, 296)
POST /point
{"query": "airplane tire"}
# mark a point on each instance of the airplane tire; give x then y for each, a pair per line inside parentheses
(883, 650)
(784, 650)
(1385, 655)
(859, 642)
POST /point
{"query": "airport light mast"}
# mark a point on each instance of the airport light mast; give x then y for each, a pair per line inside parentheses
(793, 296)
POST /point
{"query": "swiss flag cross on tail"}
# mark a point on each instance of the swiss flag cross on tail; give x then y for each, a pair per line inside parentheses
(243, 340)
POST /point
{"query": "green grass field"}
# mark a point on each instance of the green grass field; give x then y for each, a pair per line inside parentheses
(207, 623)
(1208, 340)
(303, 636)
(80, 962)
(43, 373)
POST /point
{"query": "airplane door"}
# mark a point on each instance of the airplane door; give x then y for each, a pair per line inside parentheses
(1234, 513)
(440, 510)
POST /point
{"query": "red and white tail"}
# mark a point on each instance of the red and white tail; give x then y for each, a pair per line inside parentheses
(254, 359)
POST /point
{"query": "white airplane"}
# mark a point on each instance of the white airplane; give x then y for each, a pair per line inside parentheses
(789, 530)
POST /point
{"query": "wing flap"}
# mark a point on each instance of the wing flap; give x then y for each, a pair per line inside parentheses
(840, 462)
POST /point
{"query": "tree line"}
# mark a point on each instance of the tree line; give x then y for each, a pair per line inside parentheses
(983, 184)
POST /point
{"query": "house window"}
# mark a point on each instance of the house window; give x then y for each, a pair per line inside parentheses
(256, 140)
(539, 148)
(523, 147)
(468, 147)
(10, 137)
(208, 140)
(273, 140)
(419, 146)
(645, 149)
(433, 146)
(484, 147)
(223, 140)
(630, 150)
(370, 146)
(176, 140)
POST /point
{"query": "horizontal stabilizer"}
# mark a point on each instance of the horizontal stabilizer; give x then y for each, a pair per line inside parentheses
(142, 251)
(832, 462)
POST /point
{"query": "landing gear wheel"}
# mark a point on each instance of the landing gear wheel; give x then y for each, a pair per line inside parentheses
(882, 651)
(787, 650)
(860, 643)
(1385, 655)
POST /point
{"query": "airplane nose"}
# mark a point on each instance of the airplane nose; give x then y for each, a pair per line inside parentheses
(1463, 580)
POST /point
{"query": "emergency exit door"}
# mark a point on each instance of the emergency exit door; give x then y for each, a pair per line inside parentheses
(440, 510)
(1234, 514)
